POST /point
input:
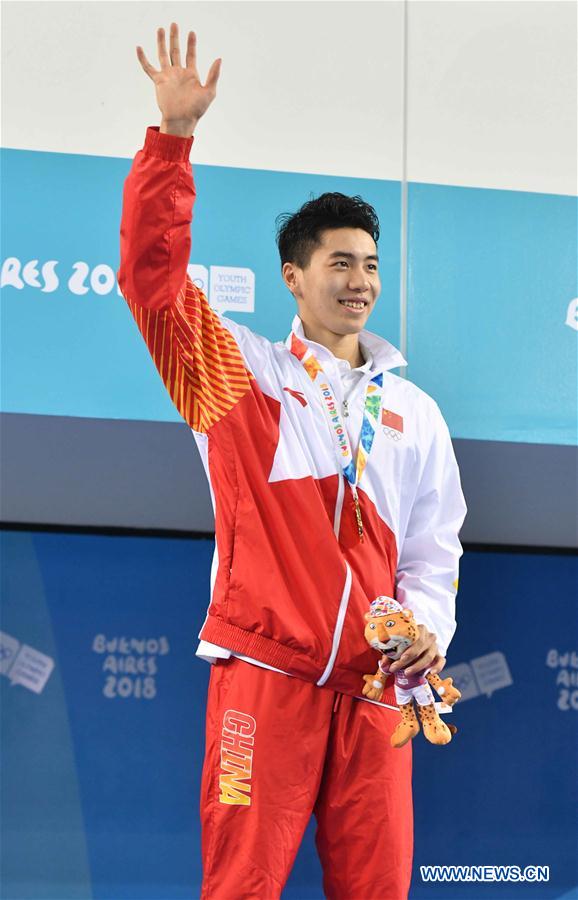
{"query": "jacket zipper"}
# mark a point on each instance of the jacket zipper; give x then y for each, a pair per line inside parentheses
(338, 627)
(346, 588)
(344, 602)
(339, 504)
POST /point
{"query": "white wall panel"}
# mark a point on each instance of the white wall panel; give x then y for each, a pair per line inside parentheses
(492, 94)
(305, 87)
(313, 87)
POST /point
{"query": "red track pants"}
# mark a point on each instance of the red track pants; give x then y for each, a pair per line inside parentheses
(278, 749)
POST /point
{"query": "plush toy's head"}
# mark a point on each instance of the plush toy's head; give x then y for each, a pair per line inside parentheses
(390, 628)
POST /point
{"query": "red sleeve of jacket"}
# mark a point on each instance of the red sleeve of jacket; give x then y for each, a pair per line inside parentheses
(197, 357)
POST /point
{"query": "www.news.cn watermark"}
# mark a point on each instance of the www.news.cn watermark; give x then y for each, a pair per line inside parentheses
(484, 873)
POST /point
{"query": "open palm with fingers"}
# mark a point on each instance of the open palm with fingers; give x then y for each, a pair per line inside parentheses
(181, 96)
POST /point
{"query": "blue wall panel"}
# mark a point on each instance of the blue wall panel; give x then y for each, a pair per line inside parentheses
(101, 765)
(491, 275)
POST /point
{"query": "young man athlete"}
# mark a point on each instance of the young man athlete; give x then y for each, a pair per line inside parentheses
(333, 482)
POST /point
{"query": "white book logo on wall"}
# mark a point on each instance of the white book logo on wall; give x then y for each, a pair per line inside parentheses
(23, 664)
(228, 288)
(482, 675)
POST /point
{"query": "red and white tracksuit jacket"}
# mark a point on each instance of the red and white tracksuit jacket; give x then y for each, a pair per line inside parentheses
(291, 580)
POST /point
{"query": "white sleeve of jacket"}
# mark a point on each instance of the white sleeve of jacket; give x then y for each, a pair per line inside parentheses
(428, 564)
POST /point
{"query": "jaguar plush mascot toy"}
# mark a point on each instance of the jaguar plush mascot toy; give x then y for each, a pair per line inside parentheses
(391, 629)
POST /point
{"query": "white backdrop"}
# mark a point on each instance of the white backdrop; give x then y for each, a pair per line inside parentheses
(313, 86)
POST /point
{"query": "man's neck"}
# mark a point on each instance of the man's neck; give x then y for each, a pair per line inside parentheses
(343, 346)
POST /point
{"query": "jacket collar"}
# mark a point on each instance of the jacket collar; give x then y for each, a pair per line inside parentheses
(385, 356)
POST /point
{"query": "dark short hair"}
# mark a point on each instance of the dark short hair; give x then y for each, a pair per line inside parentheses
(299, 234)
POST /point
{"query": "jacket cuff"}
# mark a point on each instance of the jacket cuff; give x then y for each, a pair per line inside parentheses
(167, 146)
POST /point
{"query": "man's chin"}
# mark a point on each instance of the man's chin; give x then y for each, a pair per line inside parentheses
(344, 328)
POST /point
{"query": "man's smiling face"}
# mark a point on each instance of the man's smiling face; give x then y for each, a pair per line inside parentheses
(337, 291)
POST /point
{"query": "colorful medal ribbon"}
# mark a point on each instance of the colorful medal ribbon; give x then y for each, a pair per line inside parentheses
(353, 470)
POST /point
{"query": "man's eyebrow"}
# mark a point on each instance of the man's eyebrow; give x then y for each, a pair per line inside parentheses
(351, 255)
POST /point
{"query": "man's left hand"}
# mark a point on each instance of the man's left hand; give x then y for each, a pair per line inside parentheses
(422, 654)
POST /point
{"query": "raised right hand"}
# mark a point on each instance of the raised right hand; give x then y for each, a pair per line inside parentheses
(181, 97)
